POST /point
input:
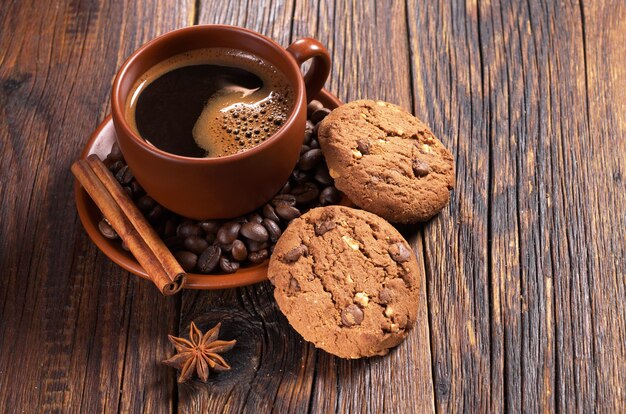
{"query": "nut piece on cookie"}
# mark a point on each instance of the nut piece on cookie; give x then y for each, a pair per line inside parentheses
(387, 161)
(332, 290)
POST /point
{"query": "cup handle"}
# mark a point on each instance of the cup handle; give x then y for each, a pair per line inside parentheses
(314, 79)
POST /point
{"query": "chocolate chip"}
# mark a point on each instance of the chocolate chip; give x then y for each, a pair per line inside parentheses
(351, 315)
(187, 260)
(195, 244)
(270, 213)
(287, 212)
(239, 250)
(363, 146)
(228, 232)
(330, 195)
(106, 229)
(399, 252)
(258, 257)
(254, 231)
(305, 192)
(319, 114)
(284, 199)
(295, 253)
(310, 159)
(228, 266)
(272, 228)
(324, 226)
(208, 260)
(384, 296)
(420, 168)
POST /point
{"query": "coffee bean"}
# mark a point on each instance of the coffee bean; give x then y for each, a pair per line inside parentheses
(254, 231)
(128, 190)
(272, 228)
(255, 218)
(284, 199)
(286, 188)
(399, 252)
(189, 229)
(330, 195)
(287, 212)
(312, 107)
(226, 247)
(116, 153)
(299, 176)
(124, 175)
(305, 193)
(174, 243)
(106, 230)
(316, 129)
(228, 232)
(116, 166)
(239, 250)
(420, 168)
(145, 203)
(314, 144)
(319, 114)
(210, 226)
(310, 159)
(195, 244)
(138, 190)
(295, 253)
(322, 227)
(322, 175)
(228, 266)
(351, 315)
(270, 213)
(308, 132)
(255, 246)
(258, 257)
(209, 259)
(187, 260)
(156, 213)
(363, 146)
(304, 149)
(169, 229)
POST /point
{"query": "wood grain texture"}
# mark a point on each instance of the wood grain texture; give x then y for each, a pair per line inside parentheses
(532, 248)
(524, 272)
(77, 334)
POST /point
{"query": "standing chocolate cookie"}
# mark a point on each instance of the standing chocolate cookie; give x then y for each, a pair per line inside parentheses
(387, 161)
(346, 280)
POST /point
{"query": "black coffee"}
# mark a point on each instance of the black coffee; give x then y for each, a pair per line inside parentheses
(209, 103)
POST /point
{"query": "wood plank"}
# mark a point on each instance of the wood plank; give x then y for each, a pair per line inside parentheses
(276, 371)
(76, 332)
(535, 234)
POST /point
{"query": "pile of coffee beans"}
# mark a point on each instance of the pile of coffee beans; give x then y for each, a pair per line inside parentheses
(222, 246)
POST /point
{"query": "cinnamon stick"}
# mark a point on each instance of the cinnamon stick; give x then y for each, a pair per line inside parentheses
(126, 219)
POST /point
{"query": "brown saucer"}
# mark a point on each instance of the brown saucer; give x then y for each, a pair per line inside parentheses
(100, 144)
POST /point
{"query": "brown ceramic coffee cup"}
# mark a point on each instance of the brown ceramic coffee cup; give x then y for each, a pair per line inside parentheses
(232, 185)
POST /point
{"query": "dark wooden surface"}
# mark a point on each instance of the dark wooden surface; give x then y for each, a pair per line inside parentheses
(524, 274)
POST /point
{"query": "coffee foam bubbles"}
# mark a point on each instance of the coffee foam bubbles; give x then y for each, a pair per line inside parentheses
(236, 118)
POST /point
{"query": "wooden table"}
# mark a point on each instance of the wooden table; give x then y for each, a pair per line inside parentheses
(524, 274)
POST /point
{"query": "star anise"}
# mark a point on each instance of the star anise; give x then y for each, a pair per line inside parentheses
(199, 353)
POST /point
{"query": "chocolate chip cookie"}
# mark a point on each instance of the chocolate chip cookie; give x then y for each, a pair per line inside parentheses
(346, 280)
(387, 161)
